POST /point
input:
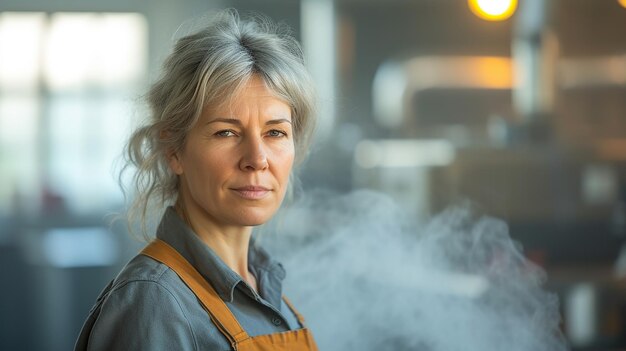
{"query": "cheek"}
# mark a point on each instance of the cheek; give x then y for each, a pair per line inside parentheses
(204, 168)
(286, 163)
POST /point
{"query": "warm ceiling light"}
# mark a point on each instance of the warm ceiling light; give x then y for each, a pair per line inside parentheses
(622, 2)
(495, 10)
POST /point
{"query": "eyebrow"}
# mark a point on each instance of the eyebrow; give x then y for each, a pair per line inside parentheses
(238, 122)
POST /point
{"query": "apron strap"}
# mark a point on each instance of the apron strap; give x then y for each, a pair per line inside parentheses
(212, 303)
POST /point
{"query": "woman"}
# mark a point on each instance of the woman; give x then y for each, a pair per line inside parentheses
(231, 114)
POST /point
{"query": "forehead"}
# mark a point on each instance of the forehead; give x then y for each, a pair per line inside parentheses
(253, 91)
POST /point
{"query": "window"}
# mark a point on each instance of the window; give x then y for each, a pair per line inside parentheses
(68, 84)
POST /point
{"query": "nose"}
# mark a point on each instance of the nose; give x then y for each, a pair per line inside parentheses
(254, 156)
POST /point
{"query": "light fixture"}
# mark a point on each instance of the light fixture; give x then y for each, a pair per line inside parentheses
(495, 10)
(622, 2)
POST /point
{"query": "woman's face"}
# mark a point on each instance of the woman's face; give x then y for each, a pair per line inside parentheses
(235, 166)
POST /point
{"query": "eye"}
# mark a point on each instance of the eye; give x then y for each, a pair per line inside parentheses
(225, 133)
(275, 133)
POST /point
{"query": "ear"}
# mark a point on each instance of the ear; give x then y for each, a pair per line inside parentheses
(173, 157)
(175, 162)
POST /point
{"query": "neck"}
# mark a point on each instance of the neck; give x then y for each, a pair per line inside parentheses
(230, 243)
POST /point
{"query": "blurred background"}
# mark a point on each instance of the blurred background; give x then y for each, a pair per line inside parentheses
(518, 106)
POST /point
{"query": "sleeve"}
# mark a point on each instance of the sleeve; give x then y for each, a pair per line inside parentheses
(141, 315)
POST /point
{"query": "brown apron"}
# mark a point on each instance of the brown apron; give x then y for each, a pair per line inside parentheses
(293, 340)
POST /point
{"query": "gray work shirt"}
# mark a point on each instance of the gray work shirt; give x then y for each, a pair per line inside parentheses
(148, 307)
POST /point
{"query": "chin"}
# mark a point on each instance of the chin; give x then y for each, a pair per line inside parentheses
(254, 218)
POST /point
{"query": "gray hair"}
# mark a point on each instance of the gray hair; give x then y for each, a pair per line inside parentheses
(204, 69)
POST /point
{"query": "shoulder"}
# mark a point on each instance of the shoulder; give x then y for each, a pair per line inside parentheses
(141, 310)
(140, 268)
(143, 277)
(144, 281)
(148, 307)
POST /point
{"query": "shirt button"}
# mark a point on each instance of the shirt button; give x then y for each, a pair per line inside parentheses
(277, 321)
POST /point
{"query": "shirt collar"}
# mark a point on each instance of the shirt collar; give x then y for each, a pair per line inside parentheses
(269, 273)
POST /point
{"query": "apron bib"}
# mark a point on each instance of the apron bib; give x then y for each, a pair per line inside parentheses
(293, 340)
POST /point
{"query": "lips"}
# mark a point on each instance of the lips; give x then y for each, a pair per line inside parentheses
(252, 192)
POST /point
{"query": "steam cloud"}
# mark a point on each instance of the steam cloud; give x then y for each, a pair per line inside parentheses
(367, 277)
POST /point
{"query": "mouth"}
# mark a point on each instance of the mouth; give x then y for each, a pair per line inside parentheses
(252, 192)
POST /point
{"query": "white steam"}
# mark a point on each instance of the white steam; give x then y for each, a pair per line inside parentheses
(367, 277)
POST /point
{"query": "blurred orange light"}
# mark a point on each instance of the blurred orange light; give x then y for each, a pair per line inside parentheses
(494, 10)
(622, 2)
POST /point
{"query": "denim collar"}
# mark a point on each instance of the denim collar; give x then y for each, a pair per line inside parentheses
(268, 272)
